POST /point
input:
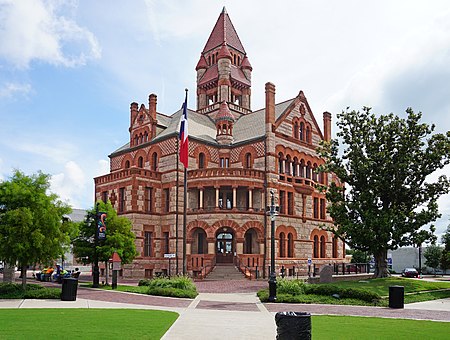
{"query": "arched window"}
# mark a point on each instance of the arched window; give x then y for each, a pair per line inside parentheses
(234, 59)
(214, 59)
(308, 135)
(335, 247)
(141, 138)
(282, 245)
(302, 131)
(140, 162)
(321, 178)
(154, 161)
(251, 242)
(199, 244)
(308, 170)
(209, 60)
(280, 163)
(296, 130)
(294, 167)
(136, 140)
(127, 164)
(239, 60)
(288, 165)
(316, 247)
(290, 245)
(301, 171)
(248, 160)
(201, 160)
(146, 136)
(323, 250)
(314, 173)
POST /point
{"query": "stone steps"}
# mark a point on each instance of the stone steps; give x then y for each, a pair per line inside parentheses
(225, 272)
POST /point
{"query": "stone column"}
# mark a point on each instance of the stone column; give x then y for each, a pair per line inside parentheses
(234, 198)
(201, 198)
(211, 246)
(239, 247)
(250, 199)
(217, 198)
(188, 248)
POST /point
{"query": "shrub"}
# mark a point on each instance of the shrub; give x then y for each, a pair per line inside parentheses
(293, 287)
(179, 282)
(33, 291)
(350, 293)
(180, 286)
(44, 293)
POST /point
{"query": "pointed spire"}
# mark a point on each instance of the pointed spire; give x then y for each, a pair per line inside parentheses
(224, 32)
(224, 52)
(202, 64)
(224, 10)
(246, 64)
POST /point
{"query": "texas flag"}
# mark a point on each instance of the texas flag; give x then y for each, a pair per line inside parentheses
(184, 144)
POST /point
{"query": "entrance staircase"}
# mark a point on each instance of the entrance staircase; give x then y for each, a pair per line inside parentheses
(223, 272)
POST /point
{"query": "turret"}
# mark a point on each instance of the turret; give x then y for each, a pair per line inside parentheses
(224, 125)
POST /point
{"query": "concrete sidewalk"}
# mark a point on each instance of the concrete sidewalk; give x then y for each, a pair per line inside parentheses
(229, 316)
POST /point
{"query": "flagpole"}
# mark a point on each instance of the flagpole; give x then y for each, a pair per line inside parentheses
(185, 163)
(184, 221)
(178, 208)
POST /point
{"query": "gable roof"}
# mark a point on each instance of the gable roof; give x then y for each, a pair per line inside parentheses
(247, 127)
(224, 32)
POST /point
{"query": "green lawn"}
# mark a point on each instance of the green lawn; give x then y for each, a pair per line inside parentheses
(347, 327)
(84, 323)
(381, 286)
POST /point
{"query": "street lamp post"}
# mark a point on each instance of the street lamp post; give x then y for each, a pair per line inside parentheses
(96, 270)
(272, 277)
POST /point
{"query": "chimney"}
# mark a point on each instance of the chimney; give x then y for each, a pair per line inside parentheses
(133, 113)
(152, 106)
(327, 126)
(270, 103)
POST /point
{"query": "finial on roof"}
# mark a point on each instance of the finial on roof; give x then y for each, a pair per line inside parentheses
(224, 10)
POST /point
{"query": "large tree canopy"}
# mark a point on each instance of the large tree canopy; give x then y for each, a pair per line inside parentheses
(119, 237)
(385, 199)
(32, 227)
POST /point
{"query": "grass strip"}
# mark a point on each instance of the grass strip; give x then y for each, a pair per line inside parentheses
(360, 328)
(85, 323)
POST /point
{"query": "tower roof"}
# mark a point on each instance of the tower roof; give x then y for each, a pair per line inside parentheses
(224, 113)
(224, 32)
(202, 64)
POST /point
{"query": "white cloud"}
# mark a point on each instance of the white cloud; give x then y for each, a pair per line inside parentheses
(70, 184)
(102, 167)
(9, 90)
(56, 152)
(33, 30)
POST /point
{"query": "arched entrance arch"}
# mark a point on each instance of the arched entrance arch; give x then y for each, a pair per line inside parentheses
(225, 245)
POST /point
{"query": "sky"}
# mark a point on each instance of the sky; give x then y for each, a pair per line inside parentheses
(70, 69)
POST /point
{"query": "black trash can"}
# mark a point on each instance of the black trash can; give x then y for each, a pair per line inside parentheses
(69, 289)
(396, 296)
(293, 325)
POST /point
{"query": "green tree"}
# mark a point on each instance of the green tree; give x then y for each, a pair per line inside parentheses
(432, 256)
(32, 227)
(119, 237)
(386, 199)
(445, 257)
(358, 256)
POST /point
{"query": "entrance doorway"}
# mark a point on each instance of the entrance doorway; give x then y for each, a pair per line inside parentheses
(224, 247)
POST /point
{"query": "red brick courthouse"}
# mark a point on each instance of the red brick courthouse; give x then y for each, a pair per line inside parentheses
(236, 156)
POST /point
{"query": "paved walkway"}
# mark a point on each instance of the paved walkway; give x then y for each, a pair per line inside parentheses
(231, 309)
